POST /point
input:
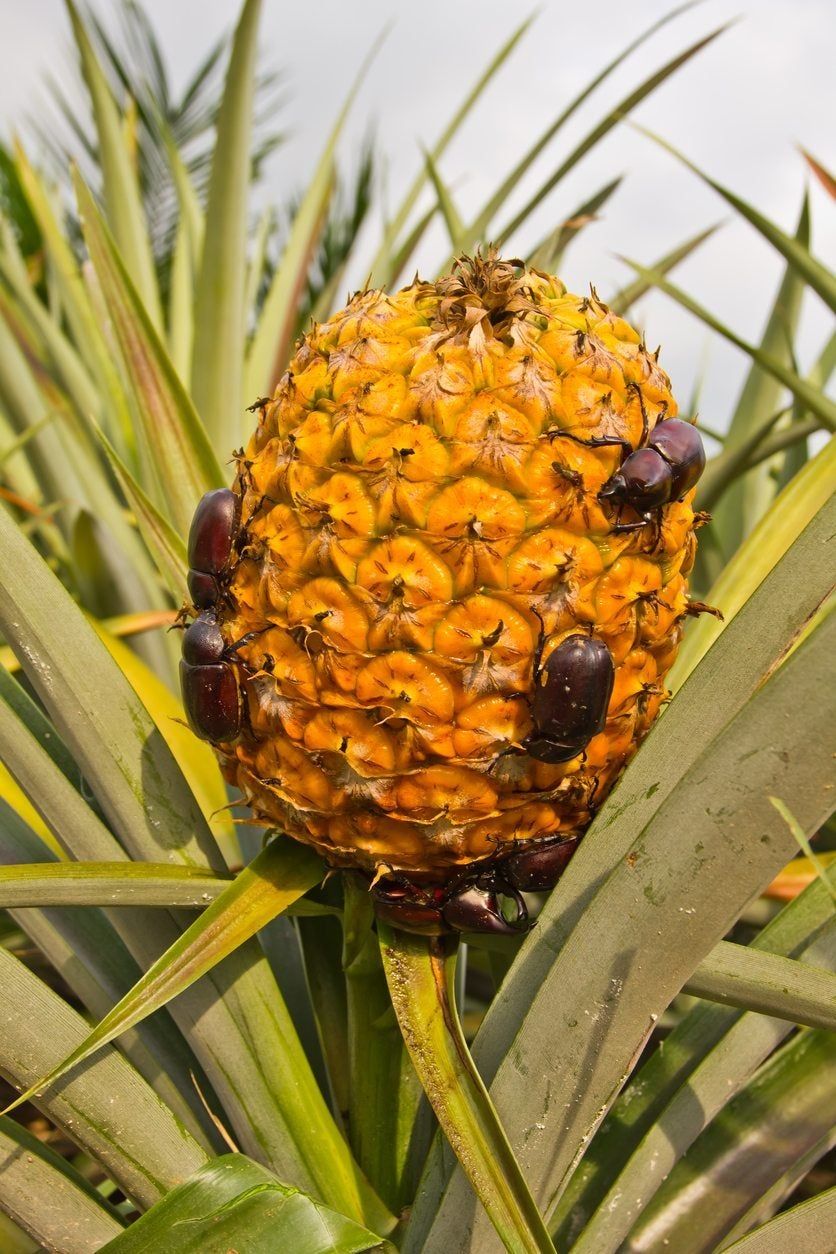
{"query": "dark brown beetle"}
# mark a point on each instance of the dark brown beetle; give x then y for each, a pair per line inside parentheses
(571, 695)
(212, 538)
(212, 695)
(468, 905)
(540, 867)
(211, 692)
(664, 471)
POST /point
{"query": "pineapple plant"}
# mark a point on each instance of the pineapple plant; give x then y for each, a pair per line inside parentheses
(449, 619)
(430, 625)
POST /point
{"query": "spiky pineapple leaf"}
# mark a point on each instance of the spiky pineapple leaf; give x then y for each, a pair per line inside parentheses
(137, 1139)
(86, 951)
(183, 458)
(506, 188)
(276, 878)
(769, 543)
(165, 545)
(45, 884)
(624, 299)
(787, 1110)
(384, 1092)
(798, 255)
(121, 189)
(47, 1197)
(393, 253)
(276, 328)
(807, 1226)
(195, 758)
(613, 118)
(811, 397)
(736, 975)
(824, 176)
(220, 325)
(708, 1057)
(420, 972)
(114, 742)
(235, 1203)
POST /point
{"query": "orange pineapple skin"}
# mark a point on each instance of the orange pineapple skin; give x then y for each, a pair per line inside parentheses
(420, 512)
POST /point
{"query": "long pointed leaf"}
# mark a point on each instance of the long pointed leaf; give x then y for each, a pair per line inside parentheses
(107, 1108)
(121, 190)
(626, 297)
(234, 1204)
(44, 884)
(283, 872)
(184, 460)
(738, 976)
(612, 119)
(389, 259)
(806, 393)
(420, 975)
(51, 1201)
(217, 361)
(808, 1226)
(795, 251)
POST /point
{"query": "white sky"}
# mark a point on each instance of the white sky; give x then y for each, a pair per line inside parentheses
(737, 110)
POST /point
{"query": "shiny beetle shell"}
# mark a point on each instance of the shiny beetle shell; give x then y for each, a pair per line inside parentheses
(539, 868)
(211, 691)
(571, 698)
(211, 539)
(680, 444)
(662, 472)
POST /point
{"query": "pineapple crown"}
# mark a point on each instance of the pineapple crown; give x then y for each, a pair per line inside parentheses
(483, 294)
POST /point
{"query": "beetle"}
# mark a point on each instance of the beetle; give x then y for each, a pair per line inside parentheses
(541, 866)
(212, 537)
(571, 696)
(469, 904)
(212, 694)
(663, 471)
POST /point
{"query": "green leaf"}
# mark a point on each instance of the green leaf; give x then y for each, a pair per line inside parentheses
(786, 1110)
(106, 1108)
(738, 976)
(122, 755)
(384, 1093)
(744, 500)
(708, 1057)
(759, 555)
(420, 973)
(81, 318)
(549, 253)
(183, 457)
(47, 1198)
(277, 323)
(809, 396)
(107, 884)
(449, 212)
(626, 297)
(165, 545)
(391, 256)
(701, 833)
(808, 1226)
(820, 279)
(612, 119)
(220, 324)
(277, 877)
(89, 956)
(232, 1203)
(121, 190)
(804, 844)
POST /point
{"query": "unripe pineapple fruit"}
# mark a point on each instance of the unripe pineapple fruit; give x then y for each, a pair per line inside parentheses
(427, 513)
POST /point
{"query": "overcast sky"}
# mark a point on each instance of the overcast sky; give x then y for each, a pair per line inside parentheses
(738, 110)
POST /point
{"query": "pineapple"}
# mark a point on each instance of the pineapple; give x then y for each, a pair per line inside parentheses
(426, 514)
